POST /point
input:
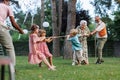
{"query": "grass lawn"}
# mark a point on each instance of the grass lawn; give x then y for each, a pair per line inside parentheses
(109, 70)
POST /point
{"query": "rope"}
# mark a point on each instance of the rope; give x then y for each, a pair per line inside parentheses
(57, 36)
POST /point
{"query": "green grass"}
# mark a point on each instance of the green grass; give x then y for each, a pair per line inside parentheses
(109, 70)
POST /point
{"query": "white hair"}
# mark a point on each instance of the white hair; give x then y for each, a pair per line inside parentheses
(83, 22)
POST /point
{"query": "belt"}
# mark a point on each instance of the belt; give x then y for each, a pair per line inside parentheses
(3, 26)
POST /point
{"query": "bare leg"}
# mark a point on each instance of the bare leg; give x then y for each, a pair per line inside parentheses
(40, 64)
(47, 63)
(50, 61)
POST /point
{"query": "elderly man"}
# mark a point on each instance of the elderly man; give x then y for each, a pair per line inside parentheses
(101, 35)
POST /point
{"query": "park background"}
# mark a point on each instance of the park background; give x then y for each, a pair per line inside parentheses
(63, 15)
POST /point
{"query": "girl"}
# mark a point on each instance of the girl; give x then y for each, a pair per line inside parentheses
(35, 56)
(76, 46)
(43, 46)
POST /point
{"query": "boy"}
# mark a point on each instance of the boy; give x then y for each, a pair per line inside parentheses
(76, 46)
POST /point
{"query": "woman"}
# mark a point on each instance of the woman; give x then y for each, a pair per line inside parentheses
(84, 30)
(5, 38)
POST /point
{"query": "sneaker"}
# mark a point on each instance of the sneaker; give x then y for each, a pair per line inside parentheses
(102, 60)
(76, 62)
(85, 62)
(52, 68)
(98, 61)
(73, 63)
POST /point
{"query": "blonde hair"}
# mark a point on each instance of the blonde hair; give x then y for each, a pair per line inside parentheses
(41, 31)
(73, 32)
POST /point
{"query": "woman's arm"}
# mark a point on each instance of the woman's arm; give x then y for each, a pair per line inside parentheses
(15, 25)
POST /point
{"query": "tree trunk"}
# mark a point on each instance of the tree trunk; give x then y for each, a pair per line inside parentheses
(60, 15)
(71, 20)
(42, 13)
(55, 29)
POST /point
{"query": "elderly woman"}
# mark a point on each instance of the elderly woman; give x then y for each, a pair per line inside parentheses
(84, 30)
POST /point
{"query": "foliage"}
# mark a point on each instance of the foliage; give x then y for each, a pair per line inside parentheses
(78, 5)
(91, 28)
(48, 16)
(20, 16)
(82, 15)
(102, 6)
(19, 37)
(65, 71)
(116, 26)
(14, 2)
(117, 1)
(14, 35)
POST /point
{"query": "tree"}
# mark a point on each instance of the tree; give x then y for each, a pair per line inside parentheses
(71, 21)
(42, 13)
(64, 17)
(60, 2)
(55, 30)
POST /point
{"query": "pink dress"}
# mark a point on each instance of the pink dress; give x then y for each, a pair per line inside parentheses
(35, 56)
(43, 48)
